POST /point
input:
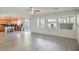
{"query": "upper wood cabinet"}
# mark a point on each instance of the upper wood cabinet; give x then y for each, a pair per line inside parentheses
(8, 21)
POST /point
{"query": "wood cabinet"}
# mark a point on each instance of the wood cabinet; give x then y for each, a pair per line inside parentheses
(8, 21)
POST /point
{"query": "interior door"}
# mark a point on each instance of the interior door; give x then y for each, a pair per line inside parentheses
(78, 24)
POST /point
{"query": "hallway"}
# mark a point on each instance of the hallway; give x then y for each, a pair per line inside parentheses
(26, 41)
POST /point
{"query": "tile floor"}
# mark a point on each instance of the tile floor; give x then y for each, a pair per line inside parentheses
(26, 41)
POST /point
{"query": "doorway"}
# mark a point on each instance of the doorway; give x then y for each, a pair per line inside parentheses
(26, 25)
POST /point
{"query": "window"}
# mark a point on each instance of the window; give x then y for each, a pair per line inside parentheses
(38, 21)
(72, 20)
(41, 23)
(67, 22)
(63, 22)
(52, 23)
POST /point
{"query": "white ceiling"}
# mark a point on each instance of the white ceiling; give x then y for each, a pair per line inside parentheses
(54, 9)
(23, 11)
(13, 11)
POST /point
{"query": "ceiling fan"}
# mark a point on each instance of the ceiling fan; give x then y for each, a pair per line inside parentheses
(34, 10)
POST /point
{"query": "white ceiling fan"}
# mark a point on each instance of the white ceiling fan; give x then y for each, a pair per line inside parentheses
(34, 10)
